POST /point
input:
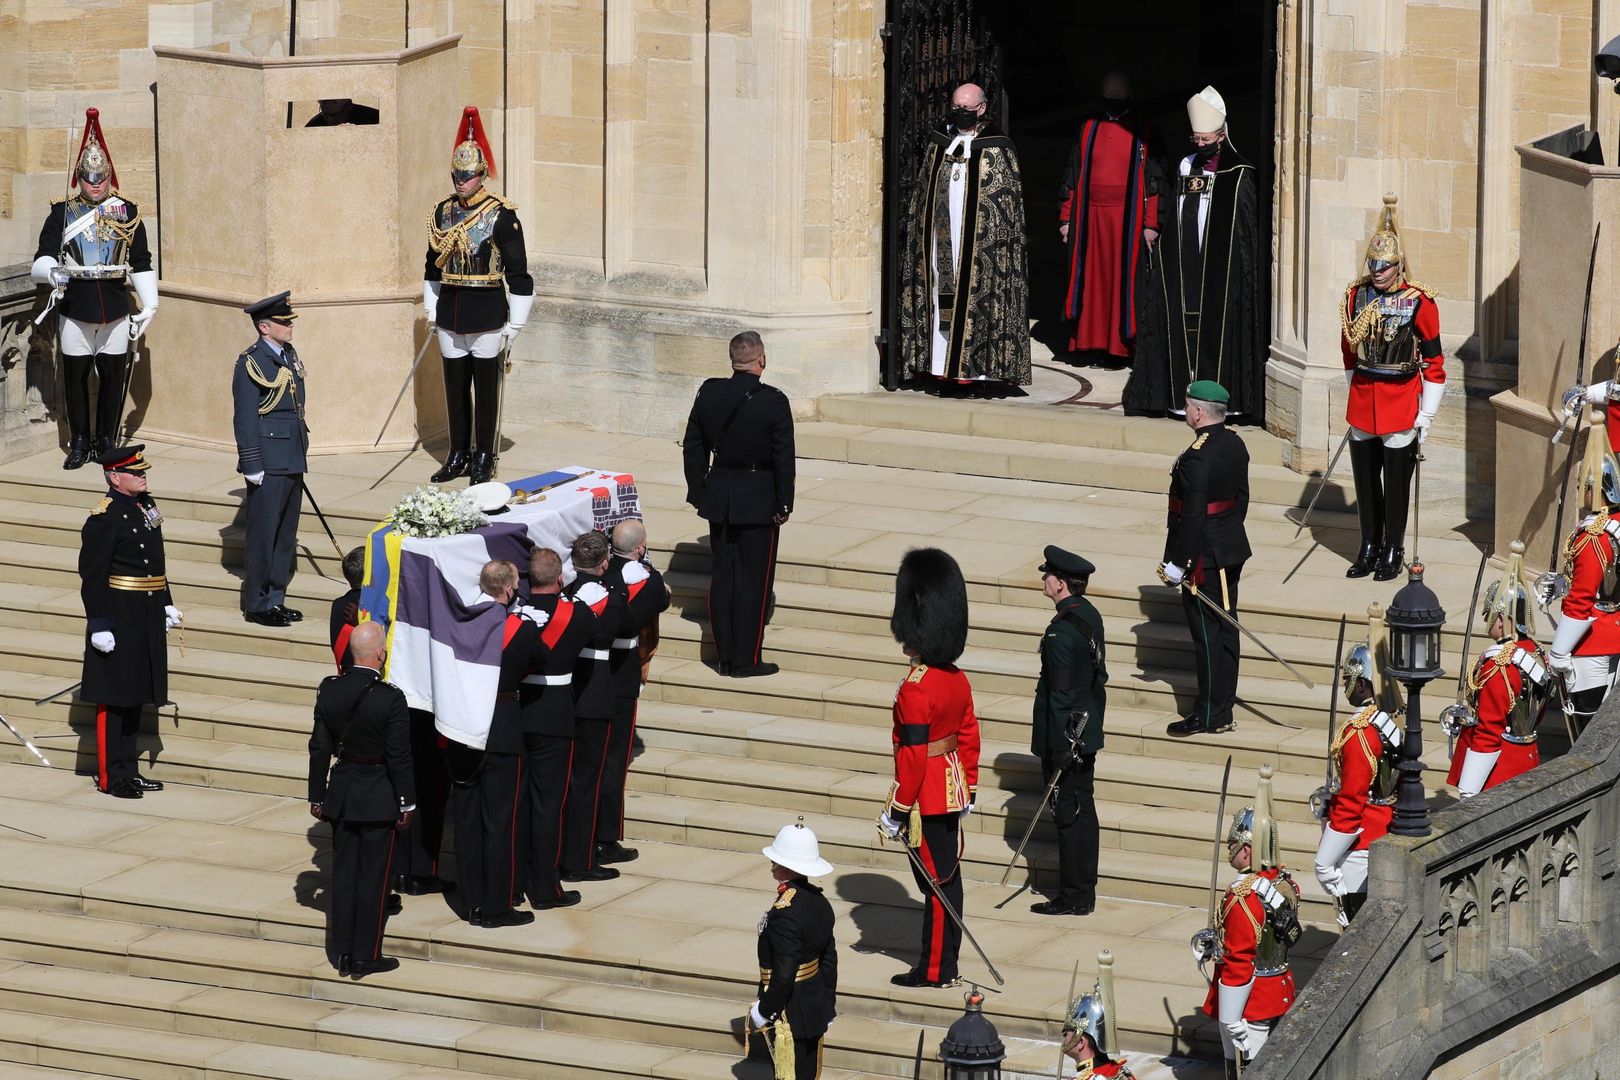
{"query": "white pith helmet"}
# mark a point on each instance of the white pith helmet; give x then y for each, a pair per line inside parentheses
(796, 848)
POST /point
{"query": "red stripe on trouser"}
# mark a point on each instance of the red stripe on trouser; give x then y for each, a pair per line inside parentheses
(511, 836)
(101, 746)
(596, 800)
(629, 752)
(936, 920)
(382, 901)
(765, 597)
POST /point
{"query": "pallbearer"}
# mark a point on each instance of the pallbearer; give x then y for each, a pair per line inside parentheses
(475, 247)
(798, 959)
(92, 251)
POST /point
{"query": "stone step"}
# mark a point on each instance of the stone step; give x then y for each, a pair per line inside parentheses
(352, 1036)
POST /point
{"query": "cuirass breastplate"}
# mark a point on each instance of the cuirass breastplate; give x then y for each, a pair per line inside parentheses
(1382, 792)
(97, 245)
(478, 264)
(1390, 350)
(1270, 953)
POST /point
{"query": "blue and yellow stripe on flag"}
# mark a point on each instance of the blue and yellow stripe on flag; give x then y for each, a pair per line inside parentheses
(379, 592)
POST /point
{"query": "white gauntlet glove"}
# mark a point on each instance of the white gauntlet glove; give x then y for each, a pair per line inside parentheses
(171, 617)
(102, 641)
(146, 291)
(430, 303)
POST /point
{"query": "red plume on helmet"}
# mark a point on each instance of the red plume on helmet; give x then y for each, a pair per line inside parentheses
(92, 128)
(471, 129)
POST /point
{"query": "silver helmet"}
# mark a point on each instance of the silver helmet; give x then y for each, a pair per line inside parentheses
(1511, 597)
(1088, 1015)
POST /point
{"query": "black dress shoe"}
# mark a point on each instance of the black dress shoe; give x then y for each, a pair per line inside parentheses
(413, 885)
(569, 898)
(595, 873)
(147, 785)
(455, 465)
(722, 667)
(916, 978)
(483, 467)
(99, 445)
(504, 918)
(267, 618)
(123, 789)
(78, 452)
(361, 968)
(394, 905)
(1057, 907)
(293, 615)
(755, 671)
(1366, 562)
(1191, 725)
(345, 964)
(1390, 564)
(614, 852)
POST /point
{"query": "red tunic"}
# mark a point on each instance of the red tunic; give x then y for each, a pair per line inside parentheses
(1499, 681)
(1611, 421)
(1587, 553)
(1389, 406)
(1106, 207)
(1349, 810)
(1242, 916)
(936, 742)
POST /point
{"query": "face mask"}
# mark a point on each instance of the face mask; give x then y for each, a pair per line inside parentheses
(963, 119)
(1203, 154)
(1116, 106)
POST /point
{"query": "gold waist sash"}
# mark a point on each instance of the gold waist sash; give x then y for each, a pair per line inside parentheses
(138, 584)
(806, 971)
(476, 281)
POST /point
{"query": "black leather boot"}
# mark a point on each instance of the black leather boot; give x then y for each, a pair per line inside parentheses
(1366, 561)
(455, 465)
(78, 452)
(99, 445)
(1390, 563)
(483, 467)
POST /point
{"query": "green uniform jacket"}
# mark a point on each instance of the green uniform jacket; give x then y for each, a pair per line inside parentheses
(1073, 679)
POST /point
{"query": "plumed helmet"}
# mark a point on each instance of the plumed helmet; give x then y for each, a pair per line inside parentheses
(1266, 843)
(1600, 471)
(930, 606)
(1510, 597)
(472, 154)
(1087, 1015)
(1356, 666)
(1384, 249)
(94, 163)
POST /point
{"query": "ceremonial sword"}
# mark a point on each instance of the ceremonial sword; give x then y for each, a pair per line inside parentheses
(1323, 483)
(32, 749)
(313, 505)
(409, 375)
(1203, 942)
(1456, 716)
(1244, 630)
(939, 894)
(58, 291)
(1034, 818)
(1068, 1003)
(52, 697)
(1321, 796)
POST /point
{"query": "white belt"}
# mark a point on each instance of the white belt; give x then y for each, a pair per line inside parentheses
(100, 270)
(549, 680)
(626, 642)
(594, 654)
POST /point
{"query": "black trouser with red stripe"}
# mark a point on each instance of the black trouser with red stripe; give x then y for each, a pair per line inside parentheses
(941, 940)
(362, 857)
(741, 575)
(486, 816)
(420, 857)
(615, 768)
(584, 792)
(545, 765)
(116, 728)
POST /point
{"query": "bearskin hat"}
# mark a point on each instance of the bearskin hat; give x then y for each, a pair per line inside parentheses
(930, 606)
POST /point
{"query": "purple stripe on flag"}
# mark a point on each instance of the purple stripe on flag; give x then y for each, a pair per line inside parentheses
(427, 600)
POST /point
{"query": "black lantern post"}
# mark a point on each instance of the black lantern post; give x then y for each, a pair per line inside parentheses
(1414, 618)
(971, 1049)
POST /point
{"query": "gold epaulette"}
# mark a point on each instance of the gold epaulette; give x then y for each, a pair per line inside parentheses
(59, 202)
(101, 507)
(785, 900)
(1198, 443)
(1418, 286)
(917, 673)
(1357, 328)
(275, 389)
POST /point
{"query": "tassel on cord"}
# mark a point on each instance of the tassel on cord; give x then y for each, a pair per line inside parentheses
(786, 1063)
(914, 836)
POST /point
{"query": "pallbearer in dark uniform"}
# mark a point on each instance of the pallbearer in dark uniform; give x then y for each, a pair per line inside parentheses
(127, 611)
(272, 445)
(1396, 370)
(630, 574)
(92, 251)
(546, 703)
(475, 247)
(593, 708)
(936, 749)
(1206, 550)
(1070, 697)
(798, 959)
(488, 781)
(346, 608)
(362, 721)
(739, 475)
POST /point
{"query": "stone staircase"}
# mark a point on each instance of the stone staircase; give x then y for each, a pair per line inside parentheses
(210, 894)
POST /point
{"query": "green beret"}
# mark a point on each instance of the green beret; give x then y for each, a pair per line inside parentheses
(1208, 390)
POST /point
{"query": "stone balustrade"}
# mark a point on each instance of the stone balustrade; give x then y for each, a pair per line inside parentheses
(1495, 938)
(27, 368)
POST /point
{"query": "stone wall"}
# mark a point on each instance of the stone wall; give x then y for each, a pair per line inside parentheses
(1496, 939)
(27, 368)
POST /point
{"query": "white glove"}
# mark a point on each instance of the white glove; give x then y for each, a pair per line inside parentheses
(509, 334)
(517, 317)
(430, 302)
(1428, 406)
(1330, 853)
(534, 615)
(1597, 393)
(756, 1016)
(1330, 878)
(1240, 1037)
(47, 271)
(1476, 769)
(146, 291)
(887, 825)
(102, 641)
(965, 811)
(1570, 633)
(1173, 573)
(171, 617)
(1421, 426)
(1561, 663)
(254, 478)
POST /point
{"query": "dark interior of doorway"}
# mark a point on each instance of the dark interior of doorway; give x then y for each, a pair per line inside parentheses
(1055, 52)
